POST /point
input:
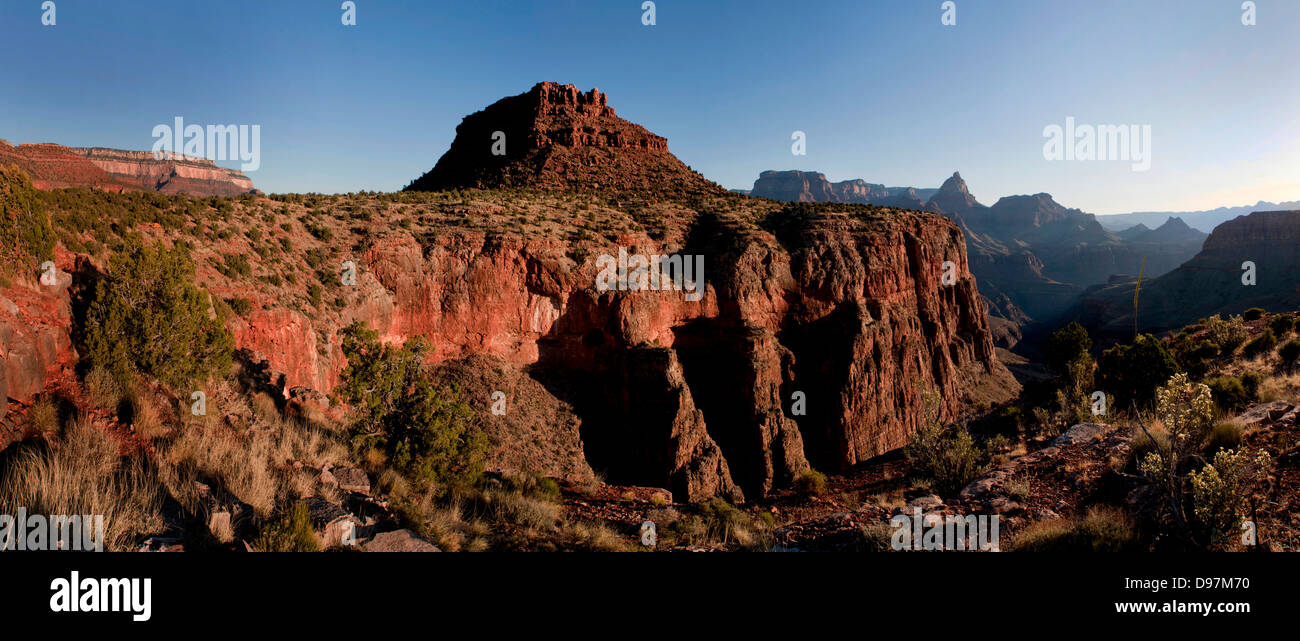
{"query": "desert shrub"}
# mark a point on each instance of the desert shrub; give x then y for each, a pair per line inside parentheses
(1260, 345)
(1282, 325)
(1193, 356)
(26, 235)
(1132, 372)
(948, 460)
(1252, 314)
(1289, 352)
(1227, 335)
(292, 532)
(1218, 490)
(719, 522)
(425, 431)
(103, 389)
(1101, 530)
(810, 483)
(148, 316)
(239, 305)
(1229, 393)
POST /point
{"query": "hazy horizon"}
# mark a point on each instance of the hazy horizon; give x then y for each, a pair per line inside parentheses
(883, 90)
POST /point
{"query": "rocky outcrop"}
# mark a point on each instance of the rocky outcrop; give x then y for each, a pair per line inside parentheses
(558, 137)
(1211, 282)
(57, 167)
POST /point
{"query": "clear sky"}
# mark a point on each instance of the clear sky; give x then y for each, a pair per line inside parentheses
(882, 89)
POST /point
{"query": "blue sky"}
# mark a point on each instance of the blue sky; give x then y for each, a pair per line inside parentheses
(882, 89)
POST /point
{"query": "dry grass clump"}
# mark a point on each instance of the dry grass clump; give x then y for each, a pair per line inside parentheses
(1103, 529)
(257, 466)
(82, 473)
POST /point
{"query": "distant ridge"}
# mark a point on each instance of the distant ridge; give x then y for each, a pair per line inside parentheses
(54, 166)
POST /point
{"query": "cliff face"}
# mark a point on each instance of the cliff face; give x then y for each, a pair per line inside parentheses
(695, 396)
(56, 167)
(1211, 282)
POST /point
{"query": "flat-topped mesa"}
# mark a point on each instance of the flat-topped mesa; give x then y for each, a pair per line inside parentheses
(170, 174)
(557, 137)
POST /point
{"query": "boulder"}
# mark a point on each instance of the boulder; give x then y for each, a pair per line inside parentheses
(399, 541)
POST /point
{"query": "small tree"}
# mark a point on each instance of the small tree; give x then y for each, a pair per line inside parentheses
(148, 316)
(425, 431)
(1067, 345)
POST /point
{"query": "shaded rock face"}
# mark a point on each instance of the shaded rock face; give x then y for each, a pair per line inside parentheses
(557, 137)
(1211, 282)
(665, 392)
(58, 167)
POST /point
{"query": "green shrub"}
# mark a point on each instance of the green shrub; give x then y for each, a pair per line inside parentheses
(810, 483)
(1065, 346)
(292, 532)
(1102, 530)
(147, 315)
(1252, 314)
(425, 431)
(948, 461)
(1229, 393)
(1289, 352)
(1282, 325)
(1132, 372)
(239, 305)
(1262, 344)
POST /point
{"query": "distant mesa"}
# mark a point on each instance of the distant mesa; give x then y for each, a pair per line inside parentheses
(54, 166)
(557, 137)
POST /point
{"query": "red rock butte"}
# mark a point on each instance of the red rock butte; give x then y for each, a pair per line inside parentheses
(558, 138)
